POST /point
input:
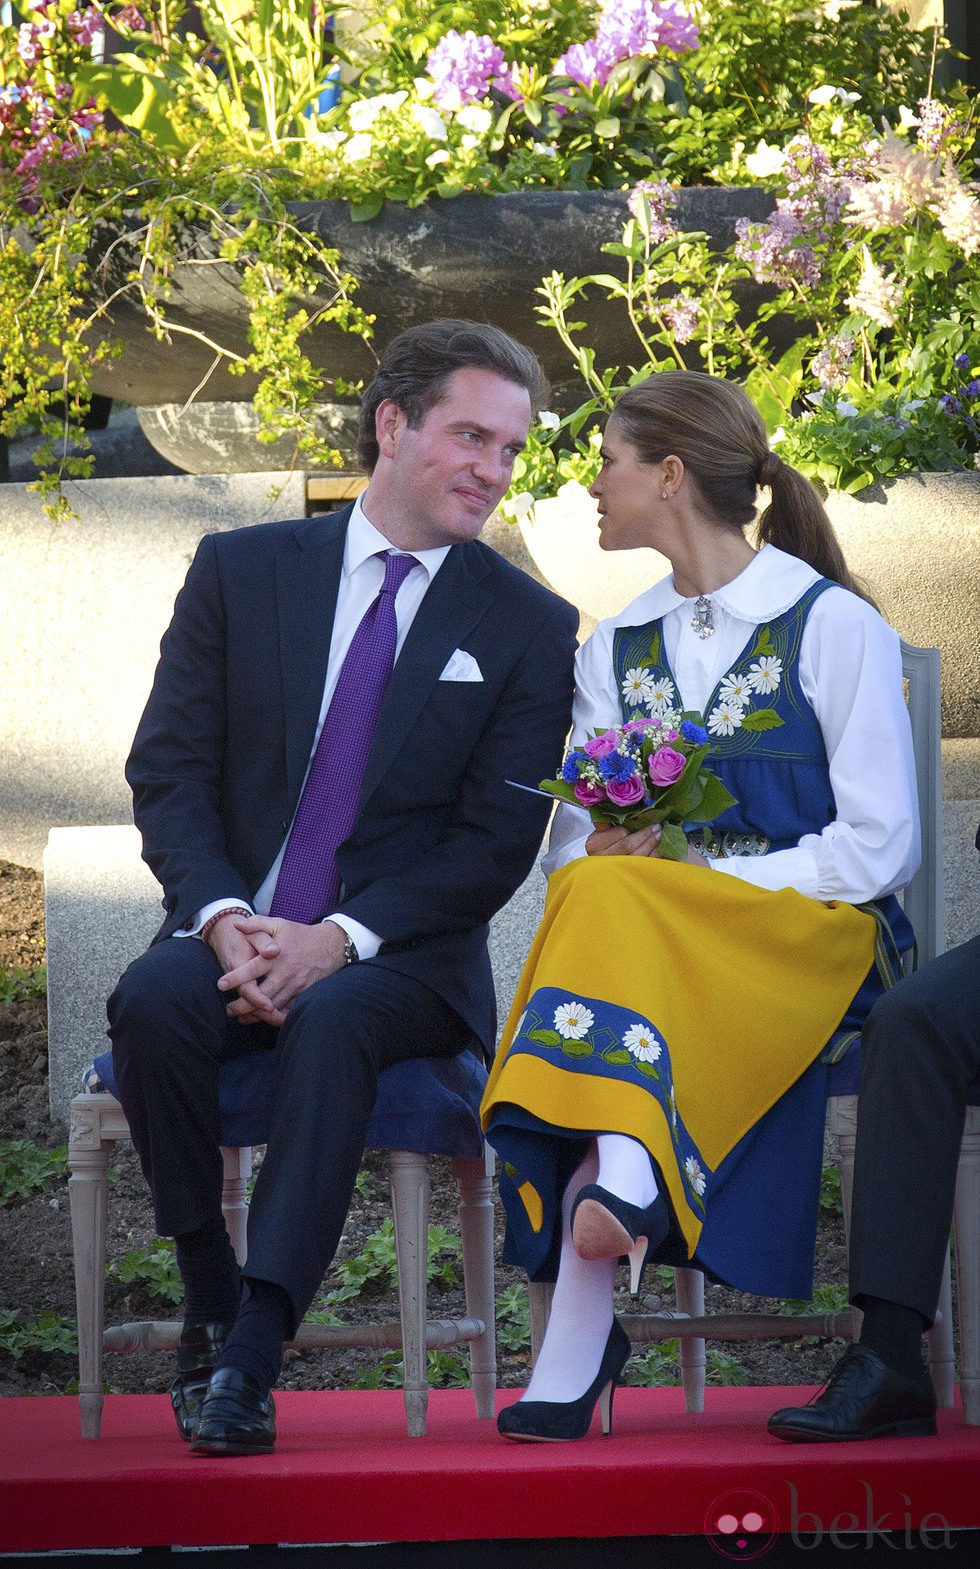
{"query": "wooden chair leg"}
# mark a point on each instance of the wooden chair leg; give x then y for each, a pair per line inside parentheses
(410, 1205)
(939, 1344)
(842, 1118)
(88, 1194)
(966, 1226)
(234, 1196)
(689, 1294)
(474, 1180)
(539, 1295)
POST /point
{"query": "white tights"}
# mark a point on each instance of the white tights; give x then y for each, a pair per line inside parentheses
(582, 1307)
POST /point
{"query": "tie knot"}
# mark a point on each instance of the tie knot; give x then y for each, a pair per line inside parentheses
(397, 569)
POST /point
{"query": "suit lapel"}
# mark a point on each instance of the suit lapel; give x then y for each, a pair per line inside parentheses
(455, 601)
(308, 577)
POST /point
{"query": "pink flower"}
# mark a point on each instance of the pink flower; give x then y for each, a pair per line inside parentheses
(625, 792)
(85, 25)
(588, 794)
(666, 765)
(600, 745)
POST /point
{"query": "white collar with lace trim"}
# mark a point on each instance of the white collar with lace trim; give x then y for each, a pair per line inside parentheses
(768, 586)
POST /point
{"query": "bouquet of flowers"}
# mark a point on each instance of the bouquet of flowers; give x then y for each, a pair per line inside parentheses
(646, 771)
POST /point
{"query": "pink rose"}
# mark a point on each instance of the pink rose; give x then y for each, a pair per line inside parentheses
(666, 765)
(625, 792)
(588, 794)
(600, 745)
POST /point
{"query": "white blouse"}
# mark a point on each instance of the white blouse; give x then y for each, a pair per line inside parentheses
(851, 673)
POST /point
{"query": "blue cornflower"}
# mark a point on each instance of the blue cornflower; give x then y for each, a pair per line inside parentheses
(696, 734)
(570, 769)
(973, 388)
(617, 766)
(962, 362)
(949, 404)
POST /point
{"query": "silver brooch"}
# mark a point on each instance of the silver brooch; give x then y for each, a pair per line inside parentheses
(702, 621)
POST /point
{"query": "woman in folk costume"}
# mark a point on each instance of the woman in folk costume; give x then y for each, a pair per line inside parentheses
(659, 1090)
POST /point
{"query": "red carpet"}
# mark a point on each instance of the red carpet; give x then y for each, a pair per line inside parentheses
(344, 1471)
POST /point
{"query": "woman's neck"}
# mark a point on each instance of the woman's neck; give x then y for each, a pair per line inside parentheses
(703, 566)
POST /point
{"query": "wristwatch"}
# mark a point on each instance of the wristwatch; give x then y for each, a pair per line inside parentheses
(351, 954)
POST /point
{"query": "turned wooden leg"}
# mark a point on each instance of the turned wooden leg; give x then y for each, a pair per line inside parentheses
(410, 1203)
(966, 1224)
(689, 1293)
(88, 1192)
(474, 1179)
(234, 1199)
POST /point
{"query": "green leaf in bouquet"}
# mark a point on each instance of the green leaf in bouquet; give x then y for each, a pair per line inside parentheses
(673, 843)
(559, 787)
(714, 800)
(635, 820)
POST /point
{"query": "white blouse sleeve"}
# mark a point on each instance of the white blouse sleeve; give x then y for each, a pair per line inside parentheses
(851, 673)
(596, 707)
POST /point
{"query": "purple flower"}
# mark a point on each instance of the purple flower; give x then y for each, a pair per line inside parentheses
(696, 734)
(962, 362)
(585, 64)
(85, 25)
(625, 792)
(666, 766)
(588, 794)
(659, 197)
(463, 67)
(600, 745)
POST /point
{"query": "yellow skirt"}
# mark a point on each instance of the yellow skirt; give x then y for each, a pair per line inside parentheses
(671, 1004)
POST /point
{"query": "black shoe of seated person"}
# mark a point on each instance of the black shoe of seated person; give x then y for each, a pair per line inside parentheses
(237, 1417)
(863, 1398)
(198, 1355)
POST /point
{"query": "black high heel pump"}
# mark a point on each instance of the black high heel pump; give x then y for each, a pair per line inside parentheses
(594, 1237)
(557, 1421)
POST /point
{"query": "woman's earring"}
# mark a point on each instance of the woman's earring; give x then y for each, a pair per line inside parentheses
(663, 495)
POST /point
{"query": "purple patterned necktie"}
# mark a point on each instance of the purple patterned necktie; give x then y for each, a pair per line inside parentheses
(308, 882)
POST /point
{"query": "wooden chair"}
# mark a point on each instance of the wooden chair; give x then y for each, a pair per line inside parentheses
(688, 1324)
(425, 1107)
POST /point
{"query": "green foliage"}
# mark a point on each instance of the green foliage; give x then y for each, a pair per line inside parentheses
(659, 1368)
(50, 1333)
(445, 1371)
(20, 985)
(374, 1272)
(26, 1169)
(154, 1270)
(827, 1298)
(831, 1203)
(513, 1319)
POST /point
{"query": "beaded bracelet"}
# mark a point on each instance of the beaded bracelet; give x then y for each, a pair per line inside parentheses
(208, 927)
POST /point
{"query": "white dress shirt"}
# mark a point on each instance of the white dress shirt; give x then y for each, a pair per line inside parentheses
(360, 581)
(850, 672)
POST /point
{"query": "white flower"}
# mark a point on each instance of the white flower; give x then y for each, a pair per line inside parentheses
(549, 421)
(766, 160)
(573, 1020)
(906, 119)
(725, 718)
(736, 689)
(661, 694)
(475, 118)
(637, 686)
(695, 1175)
(878, 294)
(826, 95)
(431, 121)
(545, 149)
(766, 674)
(364, 111)
(358, 147)
(441, 155)
(642, 1042)
(976, 460)
(518, 506)
(846, 407)
(424, 87)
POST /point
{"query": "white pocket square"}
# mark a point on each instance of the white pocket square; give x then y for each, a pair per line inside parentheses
(461, 666)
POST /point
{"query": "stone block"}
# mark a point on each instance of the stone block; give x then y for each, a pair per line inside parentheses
(83, 606)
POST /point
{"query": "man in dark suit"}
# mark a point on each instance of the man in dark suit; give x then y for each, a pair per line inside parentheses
(920, 1056)
(328, 873)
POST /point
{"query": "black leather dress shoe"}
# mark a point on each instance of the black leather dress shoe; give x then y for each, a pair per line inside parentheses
(237, 1417)
(863, 1398)
(198, 1355)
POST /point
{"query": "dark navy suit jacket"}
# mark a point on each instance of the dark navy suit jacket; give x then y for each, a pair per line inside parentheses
(441, 841)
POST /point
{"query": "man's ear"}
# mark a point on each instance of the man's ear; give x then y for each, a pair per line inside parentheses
(388, 420)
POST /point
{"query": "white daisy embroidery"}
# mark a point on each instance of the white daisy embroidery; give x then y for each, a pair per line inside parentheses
(637, 686)
(736, 689)
(573, 1020)
(725, 718)
(661, 696)
(695, 1175)
(642, 1042)
(766, 674)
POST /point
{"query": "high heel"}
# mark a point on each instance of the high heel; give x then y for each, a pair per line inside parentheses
(606, 1226)
(557, 1421)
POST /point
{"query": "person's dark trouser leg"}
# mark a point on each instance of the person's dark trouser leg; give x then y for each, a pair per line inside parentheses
(920, 1052)
(338, 1036)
